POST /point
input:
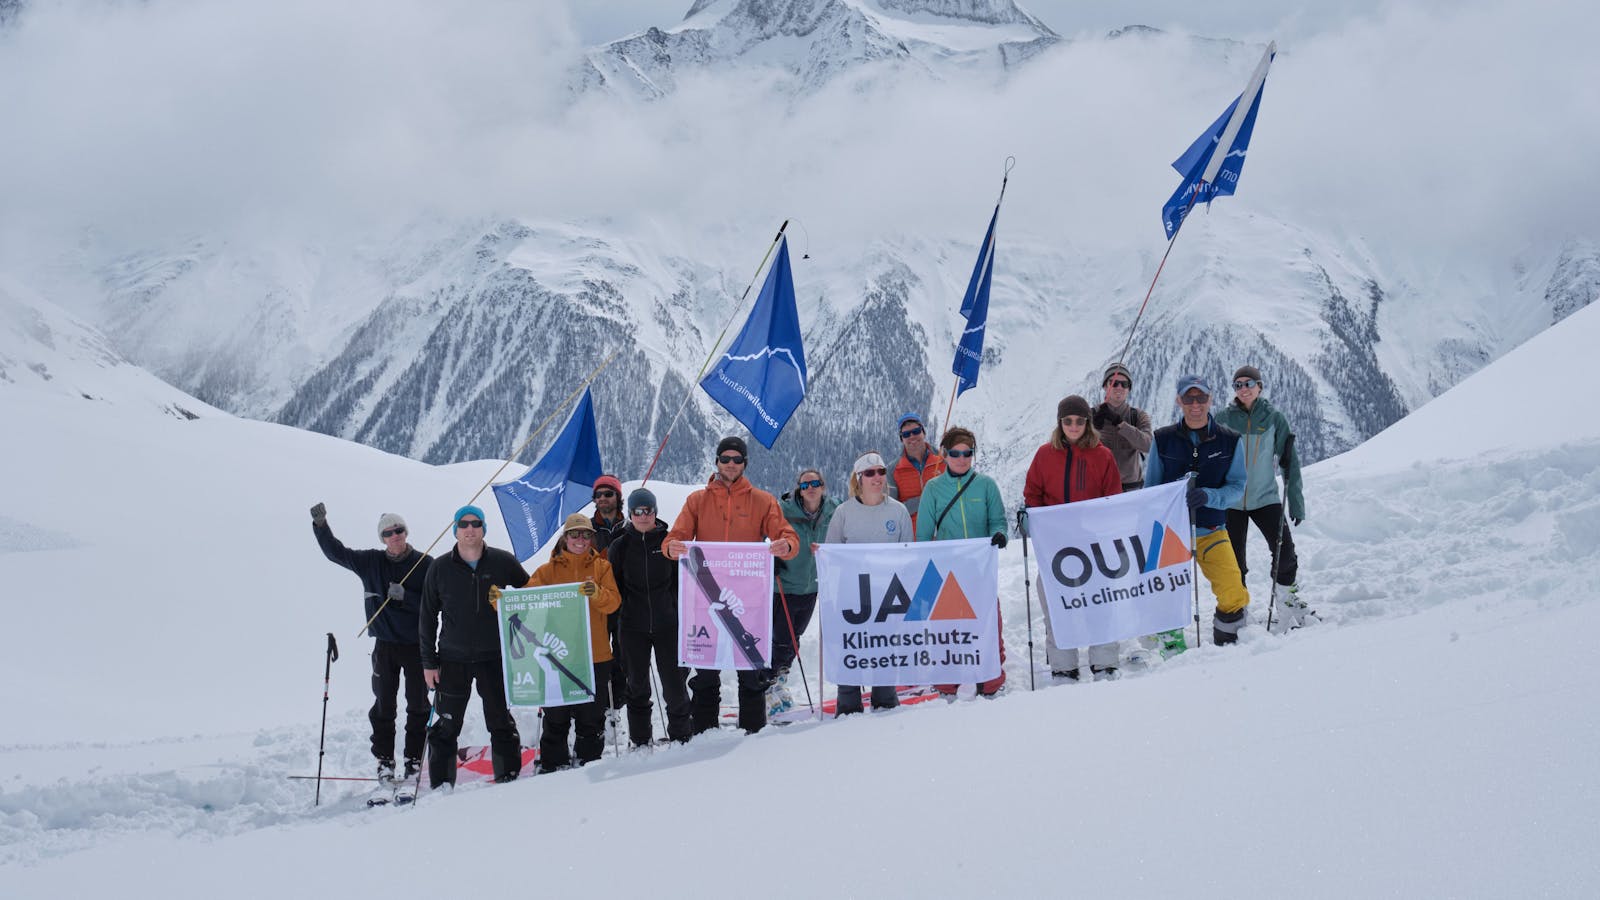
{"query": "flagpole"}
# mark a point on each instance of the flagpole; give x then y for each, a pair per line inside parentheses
(1122, 357)
(712, 355)
(514, 454)
(1011, 163)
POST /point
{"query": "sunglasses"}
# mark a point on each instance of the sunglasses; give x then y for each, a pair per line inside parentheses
(642, 511)
(731, 458)
(1201, 400)
(580, 535)
(910, 433)
(391, 532)
(1118, 382)
(959, 454)
(873, 473)
(1245, 383)
(1074, 420)
(604, 494)
(813, 483)
(469, 523)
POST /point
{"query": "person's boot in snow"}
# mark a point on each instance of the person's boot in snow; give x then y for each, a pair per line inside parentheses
(1225, 627)
(386, 771)
(413, 766)
(1104, 673)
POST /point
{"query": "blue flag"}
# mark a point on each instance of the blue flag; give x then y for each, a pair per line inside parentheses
(761, 378)
(1206, 177)
(975, 307)
(535, 505)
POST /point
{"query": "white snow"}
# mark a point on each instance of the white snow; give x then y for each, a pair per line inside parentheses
(165, 607)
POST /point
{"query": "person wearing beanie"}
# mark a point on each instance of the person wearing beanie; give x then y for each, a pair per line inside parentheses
(729, 508)
(1074, 465)
(870, 516)
(391, 585)
(575, 560)
(1268, 450)
(809, 510)
(648, 620)
(917, 464)
(1124, 429)
(964, 503)
(1201, 445)
(608, 521)
(462, 593)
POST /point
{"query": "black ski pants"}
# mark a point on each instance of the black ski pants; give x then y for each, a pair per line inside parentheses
(1269, 519)
(590, 719)
(619, 665)
(637, 648)
(450, 708)
(389, 661)
(706, 700)
(800, 607)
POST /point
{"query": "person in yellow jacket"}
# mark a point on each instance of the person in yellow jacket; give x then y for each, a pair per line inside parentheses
(576, 561)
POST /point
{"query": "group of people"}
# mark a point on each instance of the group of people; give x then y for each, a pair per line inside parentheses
(435, 620)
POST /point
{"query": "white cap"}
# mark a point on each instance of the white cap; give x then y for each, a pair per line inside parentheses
(868, 461)
(388, 521)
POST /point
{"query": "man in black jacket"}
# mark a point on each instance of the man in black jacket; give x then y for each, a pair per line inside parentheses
(648, 582)
(391, 579)
(462, 588)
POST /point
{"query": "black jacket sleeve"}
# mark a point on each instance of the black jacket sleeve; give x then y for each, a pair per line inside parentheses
(333, 548)
(428, 625)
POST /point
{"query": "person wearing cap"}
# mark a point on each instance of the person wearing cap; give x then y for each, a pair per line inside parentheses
(964, 503)
(574, 560)
(1122, 428)
(1074, 465)
(1265, 434)
(870, 516)
(648, 619)
(391, 583)
(1200, 445)
(917, 464)
(461, 594)
(608, 522)
(808, 510)
(729, 508)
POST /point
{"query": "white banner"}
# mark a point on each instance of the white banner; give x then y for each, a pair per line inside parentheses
(1116, 567)
(905, 614)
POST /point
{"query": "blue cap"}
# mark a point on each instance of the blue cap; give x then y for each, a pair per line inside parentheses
(1187, 383)
(909, 417)
(469, 510)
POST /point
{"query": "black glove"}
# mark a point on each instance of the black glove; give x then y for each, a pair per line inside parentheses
(397, 595)
(319, 515)
(1197, 499)
(1105, 416)
(1297, 520)
(1022, 522)
(999, 539)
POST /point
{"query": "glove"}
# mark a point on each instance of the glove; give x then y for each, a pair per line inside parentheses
(319, 515)
(589, 589)
(1297, 520)
(1197, 499)
(1104, 415)
(999, 539)
(1022, 522)
(494, 597)
(397, 595)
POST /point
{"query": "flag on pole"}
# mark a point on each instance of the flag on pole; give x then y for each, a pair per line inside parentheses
(975, 307)
(535, 505)
(1206, 173)
(761, 378)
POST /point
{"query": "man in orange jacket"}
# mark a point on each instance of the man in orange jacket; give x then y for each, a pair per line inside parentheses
(917, 465)
(730, 508)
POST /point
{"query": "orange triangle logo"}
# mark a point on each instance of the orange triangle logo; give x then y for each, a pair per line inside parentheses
(1172, 549)
(952, 602)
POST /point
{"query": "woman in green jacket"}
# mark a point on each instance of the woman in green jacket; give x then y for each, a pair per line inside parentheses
(809, 509)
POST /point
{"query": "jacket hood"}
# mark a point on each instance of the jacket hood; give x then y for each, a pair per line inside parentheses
(794, 512)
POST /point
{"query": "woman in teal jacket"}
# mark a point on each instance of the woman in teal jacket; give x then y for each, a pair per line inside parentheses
(962, 503)
(809, 509)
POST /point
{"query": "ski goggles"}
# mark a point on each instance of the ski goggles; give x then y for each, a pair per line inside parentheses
(813, 483)
(641, 511)
(1243, 383)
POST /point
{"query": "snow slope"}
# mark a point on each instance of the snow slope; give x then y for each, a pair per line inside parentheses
(1430, 739)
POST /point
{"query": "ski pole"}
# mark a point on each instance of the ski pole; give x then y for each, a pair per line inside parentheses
(794, 641)
(1283, 526)
(1194, 564)
(416, 786)
(1027, 587)
(322, 740)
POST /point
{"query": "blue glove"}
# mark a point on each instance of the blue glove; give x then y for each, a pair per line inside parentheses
(1197, 498)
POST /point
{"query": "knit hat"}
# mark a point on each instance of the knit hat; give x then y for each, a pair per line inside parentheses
(641, 498)
(733, 442)
(1248, 372)
(468, 510)
(1186, 383)
(908, 417)
(388, 521)
(868, 460)
(1072, 405)
(609, 481)
(1116, 369)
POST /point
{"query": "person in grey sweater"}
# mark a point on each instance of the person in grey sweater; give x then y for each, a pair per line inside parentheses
(870, 516)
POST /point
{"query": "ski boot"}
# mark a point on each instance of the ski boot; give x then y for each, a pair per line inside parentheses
(386, 771)
(1172, 643)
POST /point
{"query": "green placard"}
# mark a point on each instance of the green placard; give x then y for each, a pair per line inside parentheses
(544, 641)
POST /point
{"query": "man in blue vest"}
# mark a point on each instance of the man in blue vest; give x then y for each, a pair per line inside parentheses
(1200, 445)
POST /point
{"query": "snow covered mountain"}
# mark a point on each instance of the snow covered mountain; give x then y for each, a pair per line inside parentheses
(811, 43)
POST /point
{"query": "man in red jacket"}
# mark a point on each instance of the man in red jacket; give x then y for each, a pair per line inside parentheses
(917, 465)
(730, 508)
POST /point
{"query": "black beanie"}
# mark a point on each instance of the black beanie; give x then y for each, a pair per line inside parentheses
(640, 498)
(1073, 405)
(1247, 372)
(732, 443)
